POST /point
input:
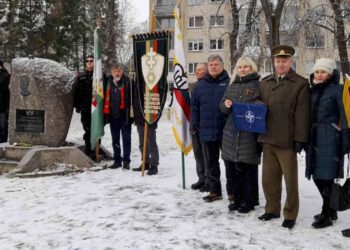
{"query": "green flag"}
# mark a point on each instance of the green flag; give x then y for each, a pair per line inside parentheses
(97, 130)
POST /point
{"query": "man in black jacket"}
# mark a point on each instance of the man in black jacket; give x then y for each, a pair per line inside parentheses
(82, 100)
(4, 102)
(117, 108)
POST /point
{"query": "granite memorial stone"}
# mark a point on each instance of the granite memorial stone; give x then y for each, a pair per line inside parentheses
(41, 104)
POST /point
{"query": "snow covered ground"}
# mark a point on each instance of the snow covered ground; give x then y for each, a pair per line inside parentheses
(115, 209)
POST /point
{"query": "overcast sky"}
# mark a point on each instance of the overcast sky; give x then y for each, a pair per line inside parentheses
(141, 9)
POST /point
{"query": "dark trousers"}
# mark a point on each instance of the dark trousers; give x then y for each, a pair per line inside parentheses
(118, 126)
(198, 155)
(242, 181)
(211, 153)
(324, 187)
(86, 122)
(3, 127)
(152, 153)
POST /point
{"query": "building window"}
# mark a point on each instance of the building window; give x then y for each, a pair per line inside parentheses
(215, 1)
(166, 23)
(195, 2)
(165, 2)
(217, 21)
(216, 44)
(195, 45)
(315, 41)
(192, 68)
(195, 22)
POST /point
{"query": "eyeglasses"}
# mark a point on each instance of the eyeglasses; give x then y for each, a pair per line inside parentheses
(89, 61)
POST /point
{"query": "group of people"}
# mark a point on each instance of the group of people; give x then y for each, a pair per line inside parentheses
(121, 108)
(301, 115)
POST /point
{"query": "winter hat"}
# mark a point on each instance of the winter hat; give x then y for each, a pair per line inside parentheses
(325, 64)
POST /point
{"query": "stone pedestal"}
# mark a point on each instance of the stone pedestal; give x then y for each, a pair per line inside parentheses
(41, 103)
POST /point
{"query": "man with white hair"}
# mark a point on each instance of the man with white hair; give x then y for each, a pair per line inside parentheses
(207, 118)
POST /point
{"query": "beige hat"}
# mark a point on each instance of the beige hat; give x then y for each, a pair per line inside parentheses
(325, 64)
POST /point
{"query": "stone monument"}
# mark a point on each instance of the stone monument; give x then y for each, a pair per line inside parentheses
(41, 108)
(41, 104)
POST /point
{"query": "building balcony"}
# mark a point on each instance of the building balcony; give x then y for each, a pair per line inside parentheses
(164, 10)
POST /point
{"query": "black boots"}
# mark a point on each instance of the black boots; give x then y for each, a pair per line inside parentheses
(140, 167)
(126, 165)
(197, 185)
(288, 224)
(334, 215)
(153, 170)
(322, 221)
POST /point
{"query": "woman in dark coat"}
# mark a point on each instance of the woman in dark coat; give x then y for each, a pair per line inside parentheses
(240, 150)
(327, 144)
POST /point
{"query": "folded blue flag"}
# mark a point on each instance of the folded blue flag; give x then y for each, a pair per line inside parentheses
(249, 117)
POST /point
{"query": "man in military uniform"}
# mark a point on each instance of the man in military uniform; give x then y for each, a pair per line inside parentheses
(82, 100)
(287, 96)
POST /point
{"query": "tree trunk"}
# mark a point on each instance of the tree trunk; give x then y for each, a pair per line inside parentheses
(234, 52)
(341, 37)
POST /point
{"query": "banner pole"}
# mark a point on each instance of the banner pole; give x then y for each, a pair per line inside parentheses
(183, 170)
(98, 151)
(144, 151)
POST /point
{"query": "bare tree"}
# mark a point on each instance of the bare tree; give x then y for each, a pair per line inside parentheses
(273, 19)
(340, 35)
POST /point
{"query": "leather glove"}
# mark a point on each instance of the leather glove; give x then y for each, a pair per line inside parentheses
(298, 147)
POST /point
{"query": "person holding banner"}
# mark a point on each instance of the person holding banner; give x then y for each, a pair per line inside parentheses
(240, 149)
(207, 118)
(152, 153)
(201, 184)
(117, 105)
(286, 95)
(328, 142)
(82, 100)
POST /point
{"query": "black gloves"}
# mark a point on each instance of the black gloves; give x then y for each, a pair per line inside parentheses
(77, 110)
(298, 146)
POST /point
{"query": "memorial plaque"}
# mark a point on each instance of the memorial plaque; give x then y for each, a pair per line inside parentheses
(32, 121)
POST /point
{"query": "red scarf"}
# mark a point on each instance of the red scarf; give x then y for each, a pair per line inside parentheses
(106, 109)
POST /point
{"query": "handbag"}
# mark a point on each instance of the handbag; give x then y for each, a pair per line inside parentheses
(340, 195)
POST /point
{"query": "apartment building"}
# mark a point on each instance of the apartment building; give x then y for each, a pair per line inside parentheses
(206, 26)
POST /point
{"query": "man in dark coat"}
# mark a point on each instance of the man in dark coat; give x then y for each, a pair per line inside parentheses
(4, 102)
(82, 100)
(201, 184)
(287, 122)
(117, 109)
(207, 118)
(152, 153)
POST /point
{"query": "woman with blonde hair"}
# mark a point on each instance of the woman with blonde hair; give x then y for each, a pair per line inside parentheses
(240, 150)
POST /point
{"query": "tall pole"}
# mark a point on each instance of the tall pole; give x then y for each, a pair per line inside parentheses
(145, 133)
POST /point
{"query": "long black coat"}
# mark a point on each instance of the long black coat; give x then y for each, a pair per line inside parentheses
(4, 90)
(83, 92)
(240, 146)
(324, 152)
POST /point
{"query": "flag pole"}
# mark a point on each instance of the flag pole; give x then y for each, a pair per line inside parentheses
(183, 170)
(97, 148)
(145, 130)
